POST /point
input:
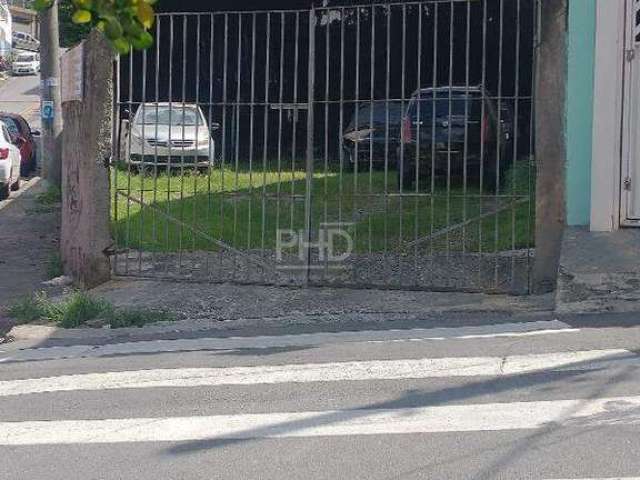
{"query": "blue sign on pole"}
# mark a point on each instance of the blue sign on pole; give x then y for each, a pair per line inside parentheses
(47, 110)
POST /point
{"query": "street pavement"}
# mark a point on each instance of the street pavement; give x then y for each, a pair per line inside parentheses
(526, 400)
(22, 95)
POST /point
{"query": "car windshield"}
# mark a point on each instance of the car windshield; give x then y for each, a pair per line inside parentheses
(25, 58)
(176, 115)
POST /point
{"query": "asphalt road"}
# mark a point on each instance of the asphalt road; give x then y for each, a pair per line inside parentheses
(22, 95)
(543, 400)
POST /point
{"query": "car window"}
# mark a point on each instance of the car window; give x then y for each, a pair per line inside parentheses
(11, 125)
(457, 105)
(176, 115)
(379, 113)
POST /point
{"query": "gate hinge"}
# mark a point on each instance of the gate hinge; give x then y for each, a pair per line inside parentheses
(630, 54)
(627, 183)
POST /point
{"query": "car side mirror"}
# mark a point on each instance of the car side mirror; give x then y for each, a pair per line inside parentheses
(125, 114)
(35, 133)
(215, 126)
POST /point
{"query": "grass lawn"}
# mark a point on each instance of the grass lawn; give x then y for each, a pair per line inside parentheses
(245, 209)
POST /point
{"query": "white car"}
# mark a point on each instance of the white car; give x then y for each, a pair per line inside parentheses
(173, 134)
(26, 63)
(24, 41)
(9, 163)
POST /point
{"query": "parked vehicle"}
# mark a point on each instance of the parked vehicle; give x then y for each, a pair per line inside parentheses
(24, 41)
(9, 163)
(26, 63)
(374, 134)
(455, 131)
(174, 134)
(24, 138)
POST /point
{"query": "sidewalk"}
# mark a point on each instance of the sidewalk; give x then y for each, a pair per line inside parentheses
(599, 272)
(28, 238)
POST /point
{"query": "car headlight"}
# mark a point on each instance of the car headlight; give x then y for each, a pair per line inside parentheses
(358, 135)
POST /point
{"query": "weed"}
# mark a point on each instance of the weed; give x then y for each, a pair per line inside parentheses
(79, 308)
(54, 266)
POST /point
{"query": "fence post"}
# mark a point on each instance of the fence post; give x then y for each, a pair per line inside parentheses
(550, 143)
(85, 233)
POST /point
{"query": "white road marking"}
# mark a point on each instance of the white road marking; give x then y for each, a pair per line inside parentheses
(456, 418)
(282, 341)
(320, 372)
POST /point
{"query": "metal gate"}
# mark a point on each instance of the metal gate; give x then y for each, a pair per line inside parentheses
(386, 145)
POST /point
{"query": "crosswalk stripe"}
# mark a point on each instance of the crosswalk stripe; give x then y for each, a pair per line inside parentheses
(320, 372)
(281, 341)
(456, 418)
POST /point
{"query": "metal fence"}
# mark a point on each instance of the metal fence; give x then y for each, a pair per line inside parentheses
(386, 145)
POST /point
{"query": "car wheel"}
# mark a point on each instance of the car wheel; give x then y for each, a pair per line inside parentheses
(4, 191)
(16, 185)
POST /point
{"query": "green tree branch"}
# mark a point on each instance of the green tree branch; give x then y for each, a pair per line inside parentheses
(125, 23)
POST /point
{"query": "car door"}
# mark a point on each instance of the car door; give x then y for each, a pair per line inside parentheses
(14, 153)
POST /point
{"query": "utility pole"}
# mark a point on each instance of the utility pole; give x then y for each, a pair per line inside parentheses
(51, 110)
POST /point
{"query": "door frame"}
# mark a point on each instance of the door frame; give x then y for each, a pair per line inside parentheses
(626, 153)
(606, 212)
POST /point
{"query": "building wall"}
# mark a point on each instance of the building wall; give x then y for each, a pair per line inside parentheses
(5, 29)
(581, 53)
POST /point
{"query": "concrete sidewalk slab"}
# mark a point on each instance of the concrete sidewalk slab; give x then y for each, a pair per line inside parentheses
(600, 271)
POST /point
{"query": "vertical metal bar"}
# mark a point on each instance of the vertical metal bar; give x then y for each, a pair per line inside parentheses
(155, 148)
(129, 171)
(142, 173)
(236, 185)
(341, 115)
(516, 114)
(483, 152)
(280, 99)
(497, 205)
(372, 106)
(403, 95)
(196, 160)
(223, 154)
(310, 138)
(168, 165)
(212, 153)
(294, 134)
(450, 108)
(356, 154)
(251, 128)
(468, 101)
(386, 147)
(266, 132)
(116, 149)
(326, 133)
(416, 204)
(182, 137)
(434, 84)
(532, 156)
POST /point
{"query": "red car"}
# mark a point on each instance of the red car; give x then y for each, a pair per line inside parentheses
(23, 138)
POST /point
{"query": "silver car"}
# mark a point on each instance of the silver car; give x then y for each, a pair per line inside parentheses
(174, 135)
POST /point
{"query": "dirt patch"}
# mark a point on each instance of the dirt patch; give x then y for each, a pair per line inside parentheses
(28, 237)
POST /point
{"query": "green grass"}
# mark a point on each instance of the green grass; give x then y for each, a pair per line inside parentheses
(79, 308)
(186, 212)
(54, 266)
(47, 201)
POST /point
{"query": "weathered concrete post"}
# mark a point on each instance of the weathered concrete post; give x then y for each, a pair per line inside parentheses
(85, 234)
(550, 143)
